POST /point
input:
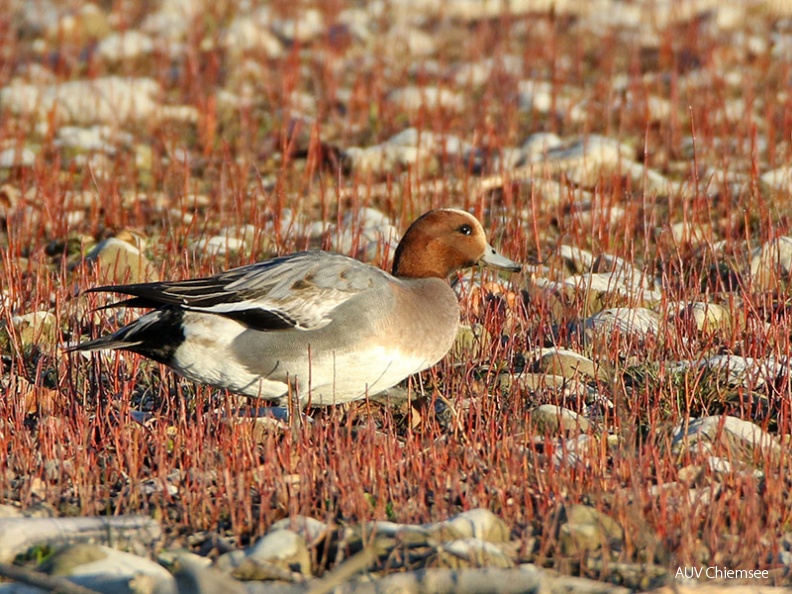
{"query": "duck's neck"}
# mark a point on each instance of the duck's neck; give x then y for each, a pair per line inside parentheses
(409, 262)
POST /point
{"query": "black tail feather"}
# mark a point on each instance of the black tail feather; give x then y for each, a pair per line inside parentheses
(103, 343)
(156, 335)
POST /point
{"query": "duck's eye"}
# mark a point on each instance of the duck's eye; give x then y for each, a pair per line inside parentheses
(466, 229)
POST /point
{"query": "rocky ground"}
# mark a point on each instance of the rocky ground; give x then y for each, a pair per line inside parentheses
(616, 417)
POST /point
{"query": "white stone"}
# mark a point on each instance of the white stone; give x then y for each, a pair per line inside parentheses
(624, 271)
(93, 138)
(413, 98)
(366, 218)
(536, 146)
(536, 95)
(196, 576)
(573, 451)
(113, 99)
(173, 19)
(13, 157)
(277, 545)
(507, 159)
(612, 282)
(403, 40)
(778, 179)
(358, 22)
(739, 371)
(126, 45)
(248, 34)
(690, 232)
(555, 418)
(308, 26)
(475, 523)
(633, 321)
(476, 10)
(475, 551)
(772, 262)
(704, 315)
(735, 431)
(595, 150)
(309, 528)
(579, 259)
(381, 158)
(478, 73)
(111, 570)
(218, 245)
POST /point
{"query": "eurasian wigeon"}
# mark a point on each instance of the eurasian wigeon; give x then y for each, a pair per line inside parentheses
(330, 327)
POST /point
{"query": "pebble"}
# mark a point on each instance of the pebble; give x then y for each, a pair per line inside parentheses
(380, 159)
(103, 139)
(481, 524)
(551, 193)
(728, 434)
(413, 98)
(248, 33)
(110, 100)
(475, 74)
(584, 529)
(565, 363)
(540, 96)
(171, 19)
(195, 575)
(538, 145)
(657, 109)
(464, 553)
(12, 157)
(309, 26)
(408, 147)
(128, 45)
(283, 548)
(737, 370)
(691, 233)
(10, 511)
(77, 24)
(576, 260)
(573, 451)
(590, 213)
(704, 316)
(546, 382)
(121, 262)
(104, 569)
(550, 418)
(598, 290)
(635, 322)
(310, 529)
(217, 245)
(35, 328)
(365, 233)
(771, 263)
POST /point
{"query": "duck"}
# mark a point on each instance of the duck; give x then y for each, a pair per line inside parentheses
(323, 326)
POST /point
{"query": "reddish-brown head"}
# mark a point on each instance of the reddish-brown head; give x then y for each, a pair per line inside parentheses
(443, 241)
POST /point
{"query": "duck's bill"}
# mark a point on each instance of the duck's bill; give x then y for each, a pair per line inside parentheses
(495, 260)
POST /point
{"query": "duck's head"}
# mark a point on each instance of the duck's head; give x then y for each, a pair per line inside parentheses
(443, 241)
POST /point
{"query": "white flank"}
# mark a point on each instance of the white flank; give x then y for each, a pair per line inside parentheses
(332, 377)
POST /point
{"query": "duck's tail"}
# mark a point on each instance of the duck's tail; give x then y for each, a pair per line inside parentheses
(156, 335)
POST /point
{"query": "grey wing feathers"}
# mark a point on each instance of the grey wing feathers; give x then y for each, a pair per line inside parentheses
(295, 291)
